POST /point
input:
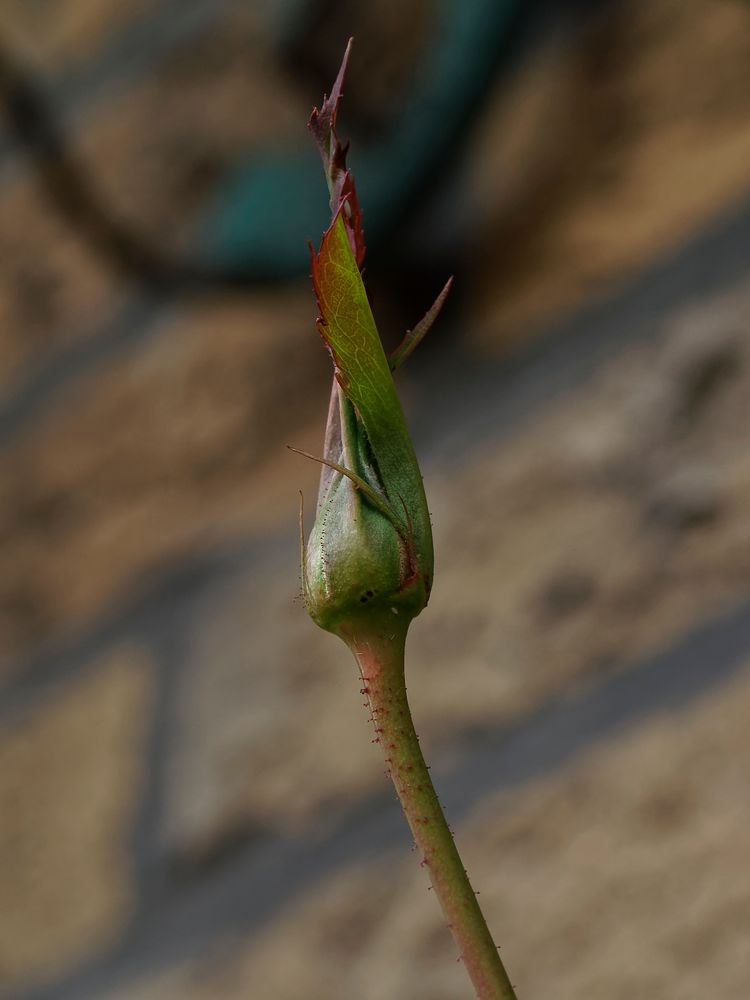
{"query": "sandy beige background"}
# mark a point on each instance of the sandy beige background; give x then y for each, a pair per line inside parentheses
(190, 804)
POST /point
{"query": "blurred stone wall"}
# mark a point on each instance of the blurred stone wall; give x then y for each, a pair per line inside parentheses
(190, 804)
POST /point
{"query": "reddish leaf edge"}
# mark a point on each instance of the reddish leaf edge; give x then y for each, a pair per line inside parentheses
(320, 322)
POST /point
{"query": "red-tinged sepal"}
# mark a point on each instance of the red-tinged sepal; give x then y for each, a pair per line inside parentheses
(322, 122)
(341, 186)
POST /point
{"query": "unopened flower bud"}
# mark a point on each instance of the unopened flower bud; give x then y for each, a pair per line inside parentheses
(368, 563)
(370, 551)
(361, 562)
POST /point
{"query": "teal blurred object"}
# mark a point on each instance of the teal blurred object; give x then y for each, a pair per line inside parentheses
(268, 210)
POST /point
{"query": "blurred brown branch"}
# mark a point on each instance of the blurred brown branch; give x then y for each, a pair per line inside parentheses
(71, 190)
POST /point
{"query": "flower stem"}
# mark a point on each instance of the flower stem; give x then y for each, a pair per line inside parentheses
(381, 661)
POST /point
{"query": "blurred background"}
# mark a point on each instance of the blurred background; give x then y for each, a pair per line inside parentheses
(190, 804)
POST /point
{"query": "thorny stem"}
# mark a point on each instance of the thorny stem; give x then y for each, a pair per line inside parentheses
(381, 662)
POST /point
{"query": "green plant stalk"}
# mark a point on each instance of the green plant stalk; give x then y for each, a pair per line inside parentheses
(380, 655)
(368, 564)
